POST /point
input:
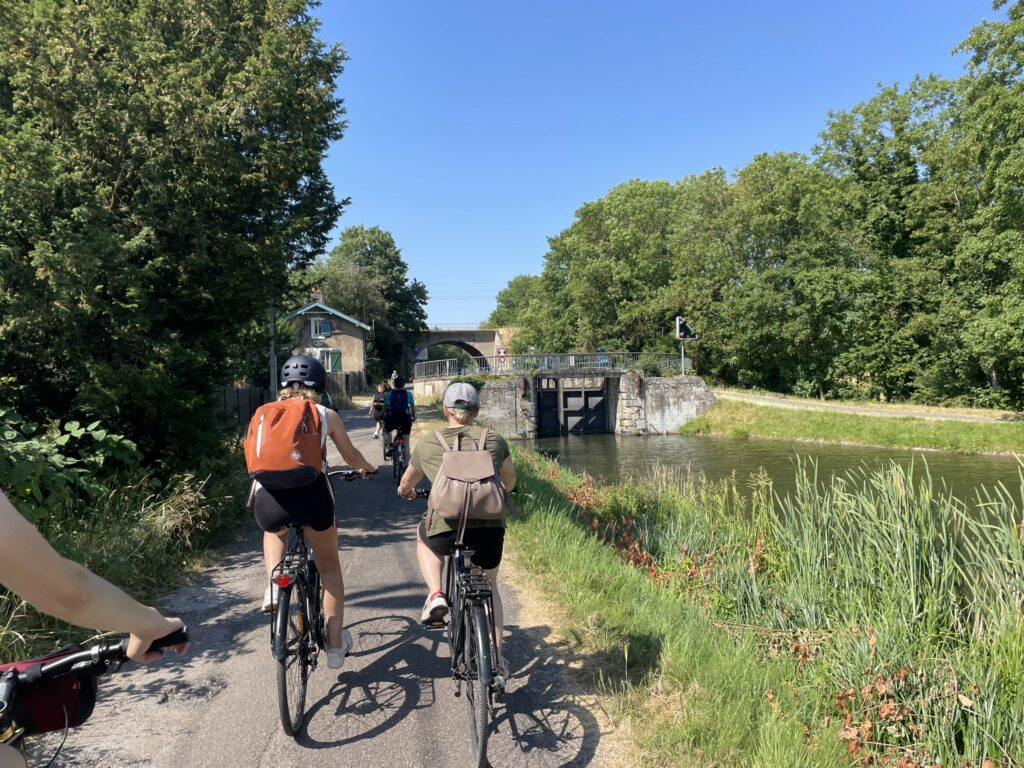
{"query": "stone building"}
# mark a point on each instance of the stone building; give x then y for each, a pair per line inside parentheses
(336, 340)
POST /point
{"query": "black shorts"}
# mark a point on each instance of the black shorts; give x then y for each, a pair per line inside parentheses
(487, 543)
(400, 421)
(378, 415)
(311, 505)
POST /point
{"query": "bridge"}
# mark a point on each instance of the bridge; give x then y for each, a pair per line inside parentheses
(478, 342)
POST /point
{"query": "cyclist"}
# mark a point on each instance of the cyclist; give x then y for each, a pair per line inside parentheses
(399, 413)
(461, 405)
(34, 571)
(377, 408)
(312, 505)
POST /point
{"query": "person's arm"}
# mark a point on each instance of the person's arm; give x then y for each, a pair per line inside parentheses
(407, 485)
(34, 571)
(508, 474)
(412, 407)
(351, 454)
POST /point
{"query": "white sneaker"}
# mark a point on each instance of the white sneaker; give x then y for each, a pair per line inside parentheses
(336, 656)
(269, 597)
(435, 609)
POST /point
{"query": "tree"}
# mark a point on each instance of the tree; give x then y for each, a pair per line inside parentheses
(514, 301)
(162, 174)
(378, 283)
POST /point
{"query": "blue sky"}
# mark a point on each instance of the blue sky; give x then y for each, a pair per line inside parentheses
(476, 129)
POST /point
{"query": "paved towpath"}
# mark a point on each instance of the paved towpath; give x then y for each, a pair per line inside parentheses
(391, 705)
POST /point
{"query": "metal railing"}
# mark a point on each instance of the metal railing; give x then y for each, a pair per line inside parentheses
(546, 362)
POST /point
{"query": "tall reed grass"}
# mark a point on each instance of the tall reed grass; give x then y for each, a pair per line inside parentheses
(899, 608)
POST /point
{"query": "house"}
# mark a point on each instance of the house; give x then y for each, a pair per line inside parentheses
(336, 340)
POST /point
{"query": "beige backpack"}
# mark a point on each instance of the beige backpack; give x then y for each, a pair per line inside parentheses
(466, 486)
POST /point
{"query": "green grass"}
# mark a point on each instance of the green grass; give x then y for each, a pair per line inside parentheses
(871, 614)
(144, 539)
(741, 420)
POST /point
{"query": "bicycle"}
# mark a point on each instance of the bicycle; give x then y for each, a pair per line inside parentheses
(298, 630)
(398, 460)
(472, 641)
(18, 682)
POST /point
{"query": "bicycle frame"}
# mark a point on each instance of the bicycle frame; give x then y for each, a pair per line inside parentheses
(467, 586)
(298, 568)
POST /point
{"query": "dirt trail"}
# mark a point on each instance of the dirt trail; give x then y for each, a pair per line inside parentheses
(913, 412)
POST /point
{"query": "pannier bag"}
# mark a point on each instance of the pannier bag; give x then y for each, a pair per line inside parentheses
(467, 486)
(285, 444)
(50, 705)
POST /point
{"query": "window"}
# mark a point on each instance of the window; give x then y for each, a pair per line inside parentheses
(320, 327)
(330, 358)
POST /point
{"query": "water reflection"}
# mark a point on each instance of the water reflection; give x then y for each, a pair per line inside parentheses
(614, 457)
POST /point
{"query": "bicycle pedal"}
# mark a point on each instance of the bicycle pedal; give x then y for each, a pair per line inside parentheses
(435, 624)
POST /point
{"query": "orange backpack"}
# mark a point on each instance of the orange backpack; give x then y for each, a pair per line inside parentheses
(286, 443)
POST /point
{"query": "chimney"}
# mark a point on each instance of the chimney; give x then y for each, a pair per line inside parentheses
(317, 295)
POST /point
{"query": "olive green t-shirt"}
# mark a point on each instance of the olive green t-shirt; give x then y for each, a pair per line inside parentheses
(426, 457)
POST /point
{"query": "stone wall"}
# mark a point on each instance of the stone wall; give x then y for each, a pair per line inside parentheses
(670, 402)
(636, 405)
(509, 406)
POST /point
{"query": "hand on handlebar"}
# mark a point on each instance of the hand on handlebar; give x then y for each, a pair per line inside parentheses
(138, 644)
(408, 493)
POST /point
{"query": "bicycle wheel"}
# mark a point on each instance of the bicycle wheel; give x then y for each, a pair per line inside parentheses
(478, 667)
(292, 658)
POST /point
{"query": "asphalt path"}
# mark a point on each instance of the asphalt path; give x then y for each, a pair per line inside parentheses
(392, 704)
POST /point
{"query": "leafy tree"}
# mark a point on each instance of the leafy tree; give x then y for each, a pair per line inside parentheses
(365, 276)
(162, 174)
(514, 301)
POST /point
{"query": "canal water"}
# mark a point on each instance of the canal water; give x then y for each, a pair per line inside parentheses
(614, 457)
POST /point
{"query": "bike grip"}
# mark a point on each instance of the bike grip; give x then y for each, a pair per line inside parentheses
(177, 637)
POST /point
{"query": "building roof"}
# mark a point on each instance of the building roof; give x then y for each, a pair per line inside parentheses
(316, 306)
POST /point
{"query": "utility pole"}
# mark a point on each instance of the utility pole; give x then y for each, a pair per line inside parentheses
(274, 384)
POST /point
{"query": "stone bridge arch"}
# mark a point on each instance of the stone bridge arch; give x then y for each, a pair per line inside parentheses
(478, 342)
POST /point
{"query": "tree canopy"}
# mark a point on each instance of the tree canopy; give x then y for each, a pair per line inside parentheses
(160, 177)
(366, 277)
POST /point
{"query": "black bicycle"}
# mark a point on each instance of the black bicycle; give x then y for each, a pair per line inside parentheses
(298, 631)
(398, 459)
(472, 641)
(58, 691)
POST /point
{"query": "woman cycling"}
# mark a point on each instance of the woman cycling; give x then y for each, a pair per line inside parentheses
(312, 505)
(486, 538)
(34, 571)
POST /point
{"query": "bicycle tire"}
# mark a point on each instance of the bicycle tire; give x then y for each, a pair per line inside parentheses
(478, 667)
(292, 658)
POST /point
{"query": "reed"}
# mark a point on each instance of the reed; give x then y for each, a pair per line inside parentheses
(897, 607)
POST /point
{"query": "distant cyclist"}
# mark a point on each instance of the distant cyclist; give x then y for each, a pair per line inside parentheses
(377, 407)
(312, 505)
(399, 413)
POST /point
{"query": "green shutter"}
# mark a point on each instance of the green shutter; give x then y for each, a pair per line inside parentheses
(335, 360)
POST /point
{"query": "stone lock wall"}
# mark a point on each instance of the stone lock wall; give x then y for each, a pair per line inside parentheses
(659, 405)
(509, 406)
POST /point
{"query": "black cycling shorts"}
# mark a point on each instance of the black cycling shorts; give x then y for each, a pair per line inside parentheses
(400, 421)
(487, 544)
(311, 505)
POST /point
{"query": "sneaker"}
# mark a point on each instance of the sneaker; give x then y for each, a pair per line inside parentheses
(388, 452)
(435, 609)
(269, 597)
(336, 656)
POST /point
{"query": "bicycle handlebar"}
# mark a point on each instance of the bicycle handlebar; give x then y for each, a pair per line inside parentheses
(348, 474)
(95, 659)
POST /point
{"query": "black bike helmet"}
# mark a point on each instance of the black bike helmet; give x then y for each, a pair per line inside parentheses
(399, 382)
(303, 371)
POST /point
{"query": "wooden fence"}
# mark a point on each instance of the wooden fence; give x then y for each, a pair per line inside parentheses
(237, 405)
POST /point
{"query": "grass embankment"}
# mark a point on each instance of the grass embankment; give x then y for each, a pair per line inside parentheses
(143, 536)
(845, 626)
(737, 419)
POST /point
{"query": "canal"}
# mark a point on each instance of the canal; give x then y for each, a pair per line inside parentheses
(611, 458)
